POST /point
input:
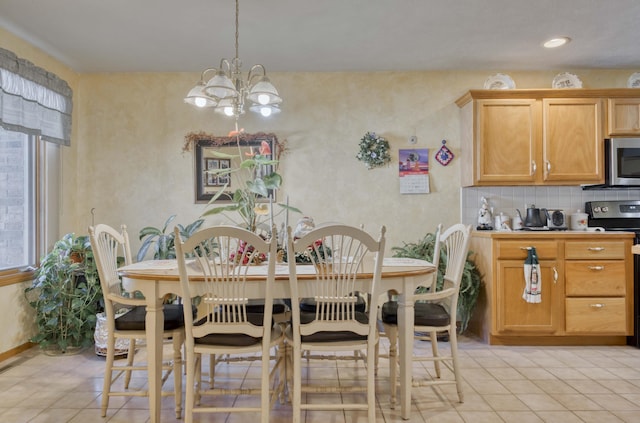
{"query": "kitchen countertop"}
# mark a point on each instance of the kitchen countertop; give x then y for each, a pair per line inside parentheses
(552, 234)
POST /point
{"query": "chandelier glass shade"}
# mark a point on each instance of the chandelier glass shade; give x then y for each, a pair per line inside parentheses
(228, 93)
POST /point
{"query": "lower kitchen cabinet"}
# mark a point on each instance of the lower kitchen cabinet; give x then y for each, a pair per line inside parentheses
(516, 316)
(586, 293)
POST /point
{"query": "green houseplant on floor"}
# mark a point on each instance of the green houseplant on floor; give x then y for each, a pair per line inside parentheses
(65, 295)
(471, 277)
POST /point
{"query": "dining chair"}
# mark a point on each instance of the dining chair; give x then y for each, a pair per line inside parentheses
(223, 258)
(428, 285)
(125, 319)
(434, 312)
(338, 254)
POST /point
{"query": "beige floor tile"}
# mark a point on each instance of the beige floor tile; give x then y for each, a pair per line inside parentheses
(558, 417)
(541, 402)
(613, 402)
(519, 417)
(480, 416)
(576, 402)
(598, 417)
(500, 383)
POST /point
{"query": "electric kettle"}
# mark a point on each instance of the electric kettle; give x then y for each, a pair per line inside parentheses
(535, 218)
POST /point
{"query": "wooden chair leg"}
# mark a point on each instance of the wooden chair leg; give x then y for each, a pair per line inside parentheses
(177, 373)
(130, 356)
(392, 334)
(108, 374)
(434, 350)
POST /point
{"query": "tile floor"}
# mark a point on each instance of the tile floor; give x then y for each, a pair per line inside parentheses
(502, 384)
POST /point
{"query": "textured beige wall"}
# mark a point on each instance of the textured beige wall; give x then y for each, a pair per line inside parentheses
(131, 129)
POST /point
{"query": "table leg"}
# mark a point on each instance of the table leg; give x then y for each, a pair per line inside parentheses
(153, 328)
(405, 353)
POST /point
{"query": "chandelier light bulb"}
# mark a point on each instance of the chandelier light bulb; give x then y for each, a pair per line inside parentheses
(228, 111)
(265, 111)
(200, 102)
(263, 99)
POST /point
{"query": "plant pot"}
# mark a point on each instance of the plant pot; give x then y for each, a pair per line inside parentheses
(101, 336)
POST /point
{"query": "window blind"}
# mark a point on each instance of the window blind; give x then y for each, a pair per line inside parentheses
(33, 100)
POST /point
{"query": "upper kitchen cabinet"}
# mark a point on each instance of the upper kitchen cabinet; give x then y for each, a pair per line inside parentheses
(531, 137)
(623, 117)
(572, 142)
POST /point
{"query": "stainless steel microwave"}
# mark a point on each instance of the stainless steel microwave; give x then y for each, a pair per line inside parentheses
(622, 161)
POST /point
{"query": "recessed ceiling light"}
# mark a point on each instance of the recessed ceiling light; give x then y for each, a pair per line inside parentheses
(556, 42)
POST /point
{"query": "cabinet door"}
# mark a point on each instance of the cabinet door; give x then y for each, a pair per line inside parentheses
(572, 142)
(506, 135)
(624, 116)
(515, 316)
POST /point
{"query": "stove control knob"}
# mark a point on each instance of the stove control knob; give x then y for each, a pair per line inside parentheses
(605, 209)
(596, 209)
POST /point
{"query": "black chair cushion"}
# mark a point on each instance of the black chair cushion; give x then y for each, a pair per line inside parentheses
(309, 305)
(231, 339)
(134, 319)
(257, 306)
(425, 314)
(325, 336)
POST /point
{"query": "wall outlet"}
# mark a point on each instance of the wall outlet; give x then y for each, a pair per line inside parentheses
(413, 139)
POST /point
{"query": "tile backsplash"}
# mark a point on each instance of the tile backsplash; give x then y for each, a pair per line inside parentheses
(508, 199)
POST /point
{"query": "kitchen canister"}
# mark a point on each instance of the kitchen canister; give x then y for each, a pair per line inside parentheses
(502, 222)
(579, 221)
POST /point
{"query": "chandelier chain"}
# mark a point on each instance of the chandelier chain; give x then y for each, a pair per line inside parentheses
(237, 27)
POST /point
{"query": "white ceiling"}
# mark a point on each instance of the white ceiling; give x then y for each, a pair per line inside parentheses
(329, 35)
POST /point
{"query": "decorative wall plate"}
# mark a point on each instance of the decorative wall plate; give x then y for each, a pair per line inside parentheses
(499, 81)
(634, 80)
(566, 80)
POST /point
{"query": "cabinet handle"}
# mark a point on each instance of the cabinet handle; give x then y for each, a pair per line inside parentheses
(595, 267)
(597, 249)
(596, 305)
(555, 275)
(548, 163)
(534, 167)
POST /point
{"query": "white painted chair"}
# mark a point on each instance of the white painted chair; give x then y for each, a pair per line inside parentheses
(109, 246)
(228, 327)
(335, 324)
(435, 312)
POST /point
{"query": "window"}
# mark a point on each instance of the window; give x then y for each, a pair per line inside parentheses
(18, 211)
(35, 106)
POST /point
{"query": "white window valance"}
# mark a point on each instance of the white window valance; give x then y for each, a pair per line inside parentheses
(33, 100)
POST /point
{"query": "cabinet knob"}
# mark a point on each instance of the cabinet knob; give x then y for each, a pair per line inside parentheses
(596, 267)
(534, 167)
(548, 164)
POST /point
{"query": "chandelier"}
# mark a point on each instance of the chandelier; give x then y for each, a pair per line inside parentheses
(227, 92)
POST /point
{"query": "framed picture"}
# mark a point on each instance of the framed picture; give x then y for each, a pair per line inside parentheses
(213, 180)
(207, 158)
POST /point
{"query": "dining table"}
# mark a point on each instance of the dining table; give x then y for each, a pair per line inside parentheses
(157, 278)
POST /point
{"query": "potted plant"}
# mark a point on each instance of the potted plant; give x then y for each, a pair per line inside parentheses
(65, 295)
(471, 277)
(164, 243)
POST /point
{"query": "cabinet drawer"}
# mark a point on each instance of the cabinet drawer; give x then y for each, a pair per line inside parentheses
(518, 249)
(594, 250)
(595, 315)
(595, 278)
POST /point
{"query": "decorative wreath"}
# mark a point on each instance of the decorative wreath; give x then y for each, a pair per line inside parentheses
(374, 150)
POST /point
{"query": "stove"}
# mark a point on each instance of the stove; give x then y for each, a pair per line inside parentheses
(621, 216)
